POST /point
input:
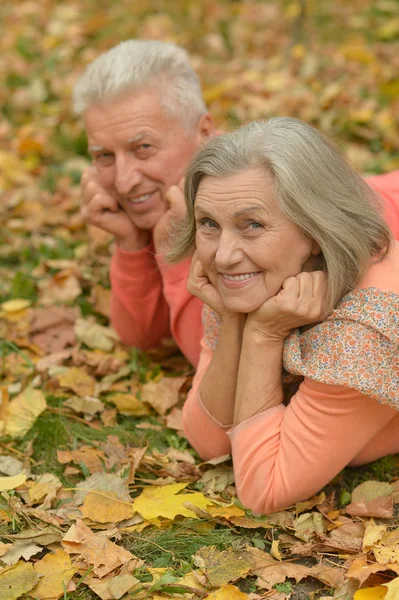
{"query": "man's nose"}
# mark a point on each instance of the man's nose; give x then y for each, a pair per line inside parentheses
(128, 174)
(229, 251)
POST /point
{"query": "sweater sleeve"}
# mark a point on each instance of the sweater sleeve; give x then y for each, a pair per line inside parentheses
(185, 309)
(287, 454)
(139, 311)
(204, 433)
(387, 186)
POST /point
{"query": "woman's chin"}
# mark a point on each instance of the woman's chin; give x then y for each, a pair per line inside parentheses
(242, 305)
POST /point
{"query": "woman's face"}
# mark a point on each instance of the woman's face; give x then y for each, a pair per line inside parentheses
(246, 244)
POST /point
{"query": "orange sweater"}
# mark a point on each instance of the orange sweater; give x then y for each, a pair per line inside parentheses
(150, 300)
(286, 454)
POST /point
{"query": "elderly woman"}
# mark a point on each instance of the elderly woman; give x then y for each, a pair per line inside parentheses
(299, 371)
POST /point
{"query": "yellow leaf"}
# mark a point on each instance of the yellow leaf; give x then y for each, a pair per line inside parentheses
(17, 580)
(128, 404)
(222, 567)
(77, 380)
(162, 501)
(358, 53)
(274, 550)
(375, 593)
(104, 507)
(227, 591)
(13, 306)
(225, 512)
(46, 485)
(373, 534)
(56, 571)
(112, 587)
(23, 411)
(10, 483)
(389, 31)
(393, 589)
(95, 335)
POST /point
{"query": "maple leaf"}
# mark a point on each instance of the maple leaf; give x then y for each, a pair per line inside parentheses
(165, 501)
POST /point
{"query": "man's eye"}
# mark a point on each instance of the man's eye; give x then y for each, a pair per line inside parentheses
(208, 223)
(104, 158)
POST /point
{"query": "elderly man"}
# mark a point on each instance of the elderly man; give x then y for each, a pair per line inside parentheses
(145, 118)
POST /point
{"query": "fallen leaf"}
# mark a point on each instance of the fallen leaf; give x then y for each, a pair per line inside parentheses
(23, 411)
(230, 592)
(45, 487)
(17, 580)
(375, 593)
(16, 305)
(218, 478)
(91, 457)
(300, 507)
(361, 569)
(102, 482)
(77, 380)
(381, 507)
(307, 524)
(55, 571)
(369, 490)
(103, 507)
(129, 405)
(85, 405)
(101, 298)
(10, 483)
(112, 588)
(372, 534)
(166, 502)
(21, 549)
(393, 589)
(222, 567)
(162, 395)
(95, 335)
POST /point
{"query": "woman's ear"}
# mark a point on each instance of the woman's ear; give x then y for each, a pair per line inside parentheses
(316, 250)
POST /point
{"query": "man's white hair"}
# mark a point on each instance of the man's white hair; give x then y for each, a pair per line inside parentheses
(136, 65)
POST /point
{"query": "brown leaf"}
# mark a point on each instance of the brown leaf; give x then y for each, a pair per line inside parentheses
(162, 395)
(102, 507)
(381, 507)
(77, 380)
(222, 567)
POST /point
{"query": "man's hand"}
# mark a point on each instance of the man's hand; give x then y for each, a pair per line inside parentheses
(302, 300)
(171, 219)
(99, 208)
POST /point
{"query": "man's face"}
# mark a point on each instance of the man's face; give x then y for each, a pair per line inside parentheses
(139, 151)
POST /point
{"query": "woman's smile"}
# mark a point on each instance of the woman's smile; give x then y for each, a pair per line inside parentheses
(239, 280)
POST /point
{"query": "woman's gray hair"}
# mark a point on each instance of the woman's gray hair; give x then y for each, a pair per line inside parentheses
(138, 64)
(314, 186)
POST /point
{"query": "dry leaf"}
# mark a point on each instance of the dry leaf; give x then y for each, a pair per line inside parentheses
(16, 305)
(21, 549)
(10, 483)
(95, 336)
(162, 395)
(103, 507)
(230, 592)
(221, 567)
(56, 571)
(77, 380)
(46, 486)
(86, 405)
(375, 593)
(23, 411)
(92, 458)
(102, 482)
(129, 405)
(164, 502)
(112, 588)
(17, 580)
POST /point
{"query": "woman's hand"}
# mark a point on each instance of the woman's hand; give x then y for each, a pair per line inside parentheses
(199, 285)
(302, 300)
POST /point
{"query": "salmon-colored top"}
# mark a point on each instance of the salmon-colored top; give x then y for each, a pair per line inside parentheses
(287, 453)
(150, 300)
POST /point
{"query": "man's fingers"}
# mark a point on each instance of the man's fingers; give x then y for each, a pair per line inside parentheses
(176, 201)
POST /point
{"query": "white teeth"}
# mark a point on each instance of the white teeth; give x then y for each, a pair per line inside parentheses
(239, 277)
(140, 199)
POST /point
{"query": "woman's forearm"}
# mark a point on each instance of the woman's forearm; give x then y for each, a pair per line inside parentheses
(218, 387)
(259, 381)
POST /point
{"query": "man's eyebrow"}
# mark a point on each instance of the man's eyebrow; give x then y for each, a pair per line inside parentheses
(137, 138)
(96, 148)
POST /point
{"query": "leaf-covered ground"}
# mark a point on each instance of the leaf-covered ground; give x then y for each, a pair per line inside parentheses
(100, 495)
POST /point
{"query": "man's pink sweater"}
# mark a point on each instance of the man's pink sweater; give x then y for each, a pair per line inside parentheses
(150, 300)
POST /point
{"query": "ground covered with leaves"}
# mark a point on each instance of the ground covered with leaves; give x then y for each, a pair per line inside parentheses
(100, 494)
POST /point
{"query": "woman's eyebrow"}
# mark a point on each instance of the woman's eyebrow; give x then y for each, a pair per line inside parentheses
(249, 209)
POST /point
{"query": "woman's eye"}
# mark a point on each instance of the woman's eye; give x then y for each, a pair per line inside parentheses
(254, 225)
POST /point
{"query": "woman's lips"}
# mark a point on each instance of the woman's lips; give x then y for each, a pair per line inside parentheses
(238, 280)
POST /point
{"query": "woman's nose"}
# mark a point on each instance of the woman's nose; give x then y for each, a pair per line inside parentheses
(229, 252)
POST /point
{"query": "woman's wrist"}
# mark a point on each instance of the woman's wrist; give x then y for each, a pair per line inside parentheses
(264, 334)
